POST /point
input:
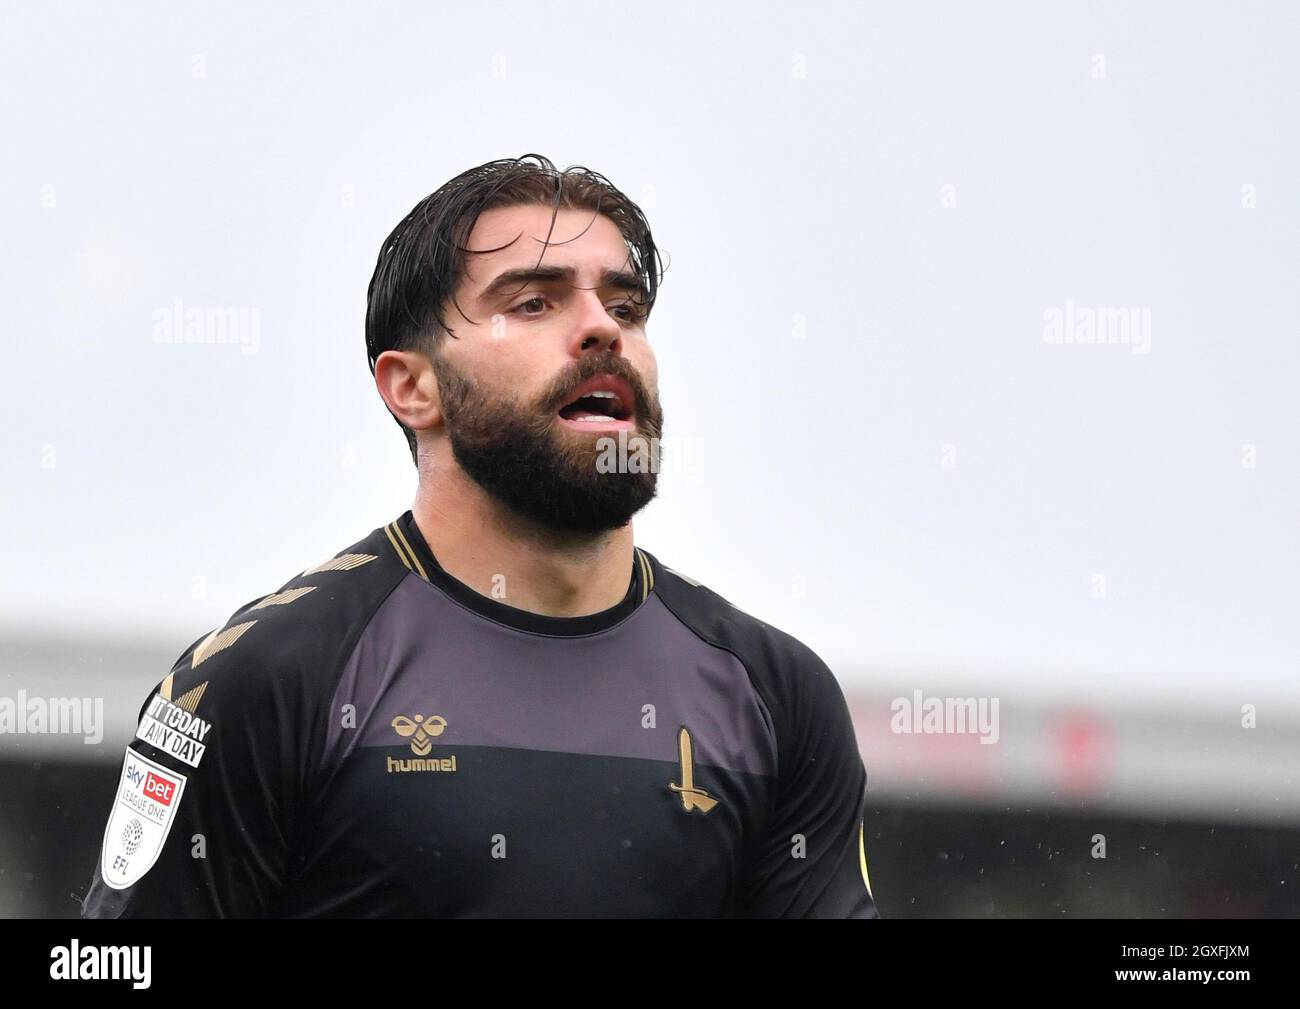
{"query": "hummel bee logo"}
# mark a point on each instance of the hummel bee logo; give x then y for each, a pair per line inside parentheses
(421, 728)
(692, 797)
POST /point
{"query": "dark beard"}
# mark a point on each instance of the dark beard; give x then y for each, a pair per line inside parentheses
(519, 454)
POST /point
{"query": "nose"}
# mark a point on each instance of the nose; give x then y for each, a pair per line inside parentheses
(597, 330)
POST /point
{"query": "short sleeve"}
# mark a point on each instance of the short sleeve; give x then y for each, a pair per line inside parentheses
(811, 860)
(202, 815)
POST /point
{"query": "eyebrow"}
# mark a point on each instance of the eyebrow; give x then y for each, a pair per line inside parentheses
(512, 280)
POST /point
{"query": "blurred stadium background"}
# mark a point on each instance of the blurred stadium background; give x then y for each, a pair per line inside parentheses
(873, 439)
(1201, 817)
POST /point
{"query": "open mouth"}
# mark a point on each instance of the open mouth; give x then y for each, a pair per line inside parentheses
(603, 400)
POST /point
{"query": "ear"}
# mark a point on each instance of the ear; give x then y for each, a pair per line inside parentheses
(409, 388)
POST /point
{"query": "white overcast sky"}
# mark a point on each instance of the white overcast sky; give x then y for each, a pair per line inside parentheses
(868, 209)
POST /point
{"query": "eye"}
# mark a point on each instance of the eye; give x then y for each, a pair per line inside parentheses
(534, 298)
(634, 312)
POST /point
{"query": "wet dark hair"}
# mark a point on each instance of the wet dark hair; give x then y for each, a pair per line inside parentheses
(423, 261)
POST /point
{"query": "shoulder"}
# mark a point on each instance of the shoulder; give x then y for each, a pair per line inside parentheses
(788, 673)
(295, 635)
(816, 742)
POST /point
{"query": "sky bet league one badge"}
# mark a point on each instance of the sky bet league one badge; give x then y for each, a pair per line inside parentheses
(147, 797)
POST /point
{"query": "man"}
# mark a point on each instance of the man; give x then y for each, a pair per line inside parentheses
(497, 705)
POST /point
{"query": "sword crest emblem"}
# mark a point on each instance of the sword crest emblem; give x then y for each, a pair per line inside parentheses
(692, 797)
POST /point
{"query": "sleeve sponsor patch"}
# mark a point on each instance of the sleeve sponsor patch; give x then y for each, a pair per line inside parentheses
(172, 729)
(148, 795)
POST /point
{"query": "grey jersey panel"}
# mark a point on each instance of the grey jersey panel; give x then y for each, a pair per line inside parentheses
(622, 692)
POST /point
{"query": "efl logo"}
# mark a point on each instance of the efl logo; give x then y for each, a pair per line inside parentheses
(159, 789)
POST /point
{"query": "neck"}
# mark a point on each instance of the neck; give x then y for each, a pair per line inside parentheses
(497, 553)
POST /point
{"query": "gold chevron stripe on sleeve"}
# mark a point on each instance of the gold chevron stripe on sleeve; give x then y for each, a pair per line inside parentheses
(419, 568)
(218, 641)
(280, 598)
(165, 688)
(862, 859)
(190, 699)
(344, 563)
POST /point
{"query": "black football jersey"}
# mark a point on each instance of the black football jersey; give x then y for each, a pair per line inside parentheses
(377, 739)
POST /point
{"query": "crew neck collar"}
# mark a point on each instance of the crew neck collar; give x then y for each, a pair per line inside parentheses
(415, 553)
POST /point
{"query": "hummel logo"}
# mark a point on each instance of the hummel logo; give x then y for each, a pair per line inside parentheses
(421, 728)
(692, 797)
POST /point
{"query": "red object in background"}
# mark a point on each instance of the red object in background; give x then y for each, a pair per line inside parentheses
(1082, 749)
